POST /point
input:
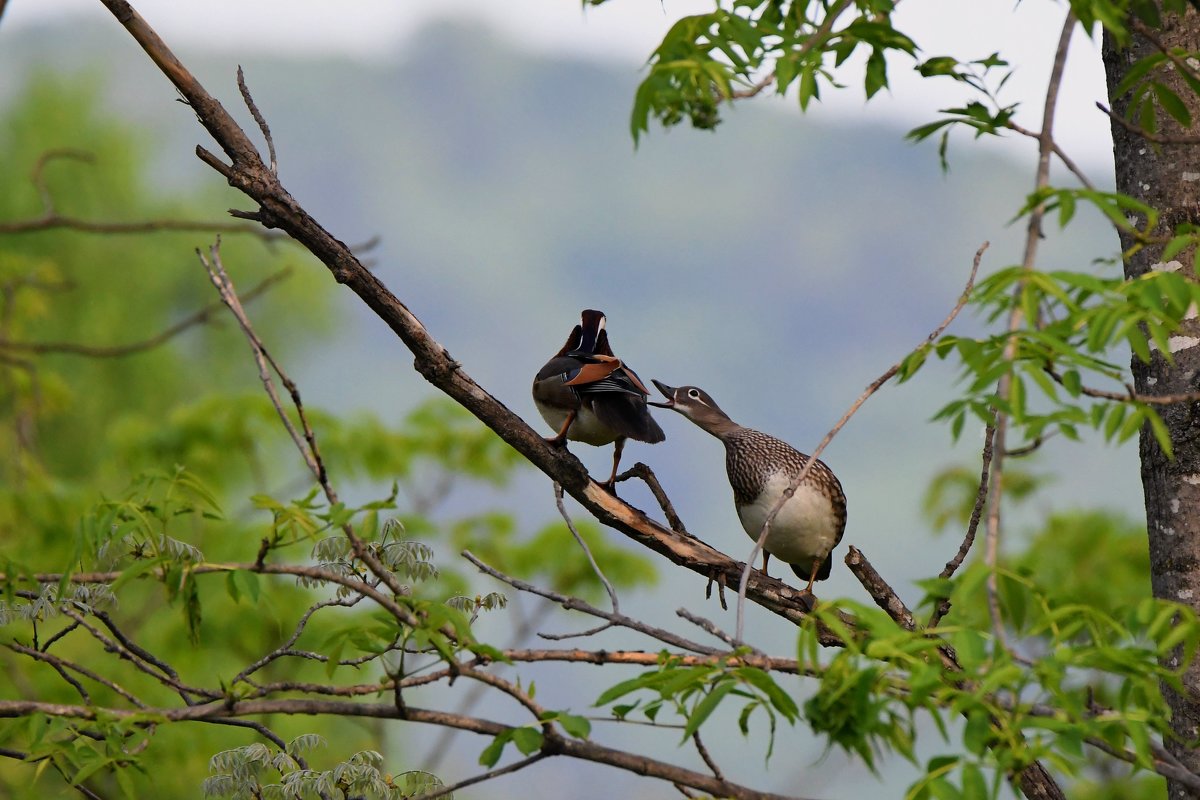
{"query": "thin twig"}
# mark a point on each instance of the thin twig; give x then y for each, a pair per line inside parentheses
(980, 496)
(1129, 395)
(1016, 319)
(709, 626)
(486, 776)
(812, 459)
(756, 89)
(1151, 36)
(116, 351)
(62, 665)
(562, 509)
(29, 758)
(259, 118)
(640, 470)
(308, 445)
(220, 279)
(1156, 138)
(55, 221)
(575, 604)
(1031, 448)
(50, 218)
(707, 758)
(582, 749)
(286, 648)
(263, 731)
(1058, 151)
(112, 646)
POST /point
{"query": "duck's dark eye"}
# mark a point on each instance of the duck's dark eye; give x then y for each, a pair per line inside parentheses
(694, 394)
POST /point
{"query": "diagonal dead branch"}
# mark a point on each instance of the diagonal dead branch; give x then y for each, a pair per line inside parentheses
(711, 627)
(278, 209)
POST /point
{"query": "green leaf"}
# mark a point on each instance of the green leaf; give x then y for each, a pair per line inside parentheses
(1137, 72)
(491, 754)
(1173, 105)
(977, 731)
(1161, 434)
(575, 725)
(780, 700)
(706, 706)
(808, 90)
(876, 77)
(527, 740)
(974, 786)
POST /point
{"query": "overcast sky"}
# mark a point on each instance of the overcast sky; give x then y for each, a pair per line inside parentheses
(625, 31)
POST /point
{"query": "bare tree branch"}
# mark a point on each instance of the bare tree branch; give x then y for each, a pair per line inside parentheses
(51, 219)
(608, 587)
(1130, 395)
(259, 118)
(1058, 151)
(1016, 319)
(200, 317)
(640, 470)
(486, 776)
(980, 496)
(1157, 138)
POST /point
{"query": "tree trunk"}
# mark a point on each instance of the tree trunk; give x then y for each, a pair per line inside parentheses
(1167, 177)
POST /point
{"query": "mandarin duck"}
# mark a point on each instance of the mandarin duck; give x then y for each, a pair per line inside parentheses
(760, 469)
(589, 395)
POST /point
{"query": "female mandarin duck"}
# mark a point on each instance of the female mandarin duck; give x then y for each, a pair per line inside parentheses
(760, 469)
(588, 395)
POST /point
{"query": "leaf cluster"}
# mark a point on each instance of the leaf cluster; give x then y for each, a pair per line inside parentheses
(693, 693)
(703, 58)
(239, 774)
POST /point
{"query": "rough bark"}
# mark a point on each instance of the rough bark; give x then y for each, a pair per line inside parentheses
(1166, 176)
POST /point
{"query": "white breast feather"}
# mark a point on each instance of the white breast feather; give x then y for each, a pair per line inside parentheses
(804, 529)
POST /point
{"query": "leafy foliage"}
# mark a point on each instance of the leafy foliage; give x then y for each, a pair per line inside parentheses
(238, 773)
(692, 693)
(703, 57)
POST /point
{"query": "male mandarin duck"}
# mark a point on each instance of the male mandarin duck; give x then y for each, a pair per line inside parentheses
(588, 395)
(760, 469)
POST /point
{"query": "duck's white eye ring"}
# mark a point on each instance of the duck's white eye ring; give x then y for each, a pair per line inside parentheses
(694, 394)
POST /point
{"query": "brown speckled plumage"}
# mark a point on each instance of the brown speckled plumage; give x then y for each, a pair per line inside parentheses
(760, 468)
(752, 456)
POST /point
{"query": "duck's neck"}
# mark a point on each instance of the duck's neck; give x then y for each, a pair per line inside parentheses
(718, 425)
